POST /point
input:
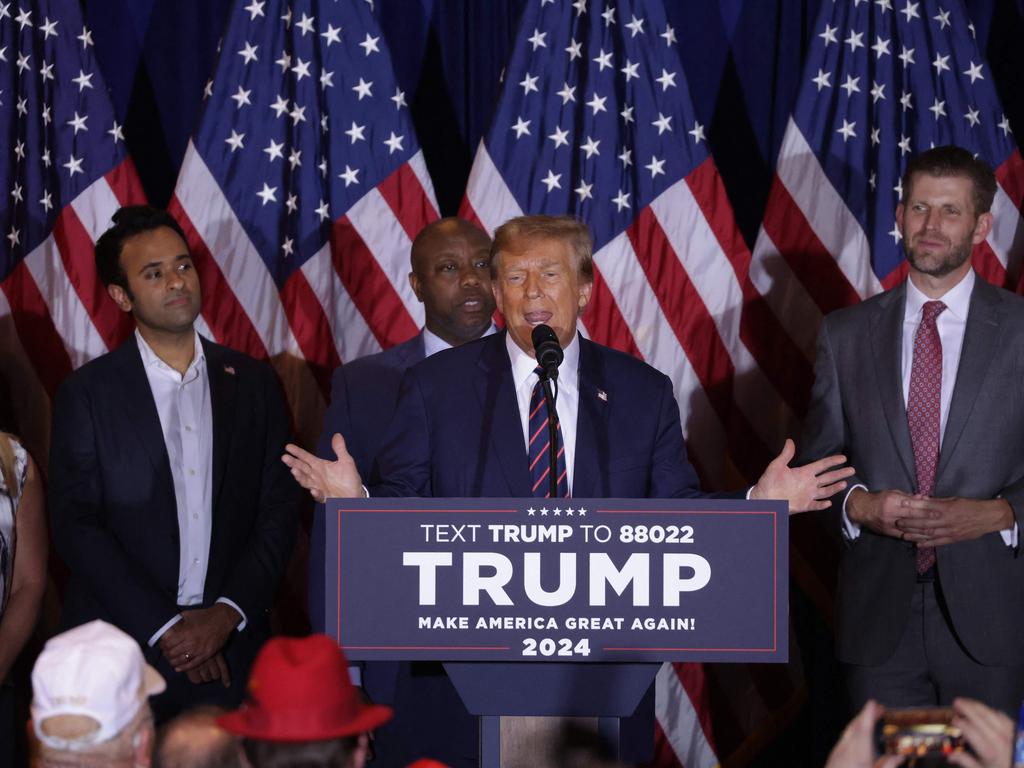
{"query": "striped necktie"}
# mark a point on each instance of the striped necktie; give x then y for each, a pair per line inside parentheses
(539, 450)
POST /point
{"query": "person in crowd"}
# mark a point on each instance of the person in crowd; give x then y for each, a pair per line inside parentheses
(920, 387)
(167, 504)
(90, 701)
(988, 732)
(194, 740)
(302, 708)
(23, 553)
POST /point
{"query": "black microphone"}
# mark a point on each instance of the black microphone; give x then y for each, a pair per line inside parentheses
(548, 350)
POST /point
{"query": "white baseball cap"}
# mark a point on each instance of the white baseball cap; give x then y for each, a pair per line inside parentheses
(95, 670)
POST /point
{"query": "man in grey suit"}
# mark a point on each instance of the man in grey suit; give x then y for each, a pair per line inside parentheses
(921, 388)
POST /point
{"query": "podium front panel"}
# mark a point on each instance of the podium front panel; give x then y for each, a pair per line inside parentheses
(588, 580)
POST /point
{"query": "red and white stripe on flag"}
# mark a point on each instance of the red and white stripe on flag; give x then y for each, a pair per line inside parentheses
(64, 172)
(300, 195)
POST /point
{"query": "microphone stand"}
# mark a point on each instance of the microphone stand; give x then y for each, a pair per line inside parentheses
(549, 401)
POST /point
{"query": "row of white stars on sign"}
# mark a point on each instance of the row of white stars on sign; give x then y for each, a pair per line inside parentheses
(848, 128)
(539, 39)
(557, 512)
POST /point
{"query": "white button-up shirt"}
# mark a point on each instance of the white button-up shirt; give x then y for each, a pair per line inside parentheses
(186, 419)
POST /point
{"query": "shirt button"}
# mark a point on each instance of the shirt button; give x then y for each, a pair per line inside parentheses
(195, 561)
(191, 471)
(188, 428)
(195, 516)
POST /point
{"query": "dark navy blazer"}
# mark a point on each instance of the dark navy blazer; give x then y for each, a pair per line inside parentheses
(112, 503)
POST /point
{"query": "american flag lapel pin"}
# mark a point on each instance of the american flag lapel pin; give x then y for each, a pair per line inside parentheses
(229, 369)
(602, 395)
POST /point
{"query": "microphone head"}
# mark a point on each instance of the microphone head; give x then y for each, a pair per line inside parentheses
(542, 334)
(547, 349)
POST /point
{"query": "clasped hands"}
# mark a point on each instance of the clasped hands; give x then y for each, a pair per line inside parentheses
(927, 521)
(193, 645)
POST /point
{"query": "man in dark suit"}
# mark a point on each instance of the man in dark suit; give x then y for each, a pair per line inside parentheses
(451, 276)
(462, 422)
(167, 500)
(921, 387)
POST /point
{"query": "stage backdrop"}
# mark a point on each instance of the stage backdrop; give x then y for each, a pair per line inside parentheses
(746, 82)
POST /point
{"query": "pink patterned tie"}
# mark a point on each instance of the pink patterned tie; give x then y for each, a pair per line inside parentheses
(923, 406)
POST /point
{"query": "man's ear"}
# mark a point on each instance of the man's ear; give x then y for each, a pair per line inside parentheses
(982, 227)
(416, 285)
(120, 297)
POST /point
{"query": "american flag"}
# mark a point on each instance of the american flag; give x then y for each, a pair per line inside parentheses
(596, 120)
(65, 171)
(301, 193)
(883, 81)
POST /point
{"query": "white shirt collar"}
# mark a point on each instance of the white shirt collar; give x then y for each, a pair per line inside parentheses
(523, 365)
(957, 299)
(150, 358)
(432, 343)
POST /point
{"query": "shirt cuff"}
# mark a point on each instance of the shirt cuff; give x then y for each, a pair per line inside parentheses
(355, 674)
(850, 528)
(1010, 536)
(750, 490)
(241, 613)
(160, 632)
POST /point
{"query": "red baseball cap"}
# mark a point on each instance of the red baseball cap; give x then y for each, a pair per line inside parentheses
(299, 690)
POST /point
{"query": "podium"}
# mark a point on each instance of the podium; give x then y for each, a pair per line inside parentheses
(556, 610)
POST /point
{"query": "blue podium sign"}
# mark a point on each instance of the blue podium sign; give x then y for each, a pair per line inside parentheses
(584, 580)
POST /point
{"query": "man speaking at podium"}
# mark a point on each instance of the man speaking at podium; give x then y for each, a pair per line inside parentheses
(472, 421)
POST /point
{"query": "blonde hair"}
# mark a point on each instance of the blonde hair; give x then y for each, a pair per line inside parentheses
(517, 233)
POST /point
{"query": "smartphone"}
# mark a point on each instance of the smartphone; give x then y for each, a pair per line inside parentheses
(919, 733)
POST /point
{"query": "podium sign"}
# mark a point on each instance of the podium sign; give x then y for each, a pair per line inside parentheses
(584, 580)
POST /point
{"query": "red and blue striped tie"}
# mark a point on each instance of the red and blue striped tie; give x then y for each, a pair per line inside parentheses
(540, 446)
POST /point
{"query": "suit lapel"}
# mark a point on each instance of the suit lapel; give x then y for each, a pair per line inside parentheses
(500, 408)
(223, 386)
(981, 340)
(134, 400)
(591, 425)
(412, 351)
(887, 340)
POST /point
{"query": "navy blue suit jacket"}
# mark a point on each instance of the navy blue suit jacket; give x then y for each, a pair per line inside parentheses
(363, 396)
(112, 502)
(457, 429)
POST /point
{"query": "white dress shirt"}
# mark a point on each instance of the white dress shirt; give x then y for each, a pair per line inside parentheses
(951, 325)
(186, 419)
(567, 401)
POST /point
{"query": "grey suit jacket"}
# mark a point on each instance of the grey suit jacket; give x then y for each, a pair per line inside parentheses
(857, 408)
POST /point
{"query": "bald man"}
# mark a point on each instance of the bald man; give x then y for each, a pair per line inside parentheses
(451, 276)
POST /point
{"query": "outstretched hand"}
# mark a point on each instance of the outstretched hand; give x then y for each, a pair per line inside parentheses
(807, 488)
(325, 479)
